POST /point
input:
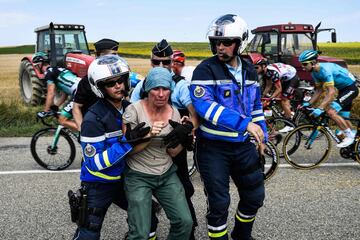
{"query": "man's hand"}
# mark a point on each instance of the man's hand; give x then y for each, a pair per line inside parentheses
(256, 131)
(136, 136)
(181, 134)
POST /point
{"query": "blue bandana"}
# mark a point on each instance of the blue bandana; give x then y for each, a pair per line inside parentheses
(159, 77)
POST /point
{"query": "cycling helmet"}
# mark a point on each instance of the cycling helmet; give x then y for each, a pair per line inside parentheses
(261, 61)
(178, 56)
(228, 26)
(104, 68)
(40, 57)
(308, 55)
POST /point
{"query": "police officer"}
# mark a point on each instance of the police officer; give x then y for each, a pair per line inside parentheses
(104, 146)
(226, 96)
(180, 98)
(84, 97)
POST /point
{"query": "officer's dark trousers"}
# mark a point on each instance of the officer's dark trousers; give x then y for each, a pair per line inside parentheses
(216, 162)
(182, 172)
(101, 196)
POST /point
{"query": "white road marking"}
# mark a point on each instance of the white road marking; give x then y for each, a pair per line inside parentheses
(38, 171)
(283, 165)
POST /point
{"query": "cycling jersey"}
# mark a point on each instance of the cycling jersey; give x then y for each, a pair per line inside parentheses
(280, 72)
(331, 74)
(64, 80)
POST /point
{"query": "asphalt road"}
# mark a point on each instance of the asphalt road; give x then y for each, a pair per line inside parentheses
(323, 203)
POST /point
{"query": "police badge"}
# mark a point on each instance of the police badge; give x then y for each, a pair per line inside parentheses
(89, 150)
(199, 92)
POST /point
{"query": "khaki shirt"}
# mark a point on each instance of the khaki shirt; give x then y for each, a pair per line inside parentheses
(153, 159)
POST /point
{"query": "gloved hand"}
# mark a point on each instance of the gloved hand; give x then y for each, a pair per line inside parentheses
(136, 136)
(181, 134)
(317, 112)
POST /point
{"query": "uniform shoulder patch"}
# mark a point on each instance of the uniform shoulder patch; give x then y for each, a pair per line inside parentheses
(199, 91)
(89, 150)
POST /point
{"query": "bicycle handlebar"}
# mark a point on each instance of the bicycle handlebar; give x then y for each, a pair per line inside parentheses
(51, 114)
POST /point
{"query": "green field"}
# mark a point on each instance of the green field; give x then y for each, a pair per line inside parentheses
(349, 51)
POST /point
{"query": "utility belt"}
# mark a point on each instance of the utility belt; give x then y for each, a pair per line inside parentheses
(80, 211)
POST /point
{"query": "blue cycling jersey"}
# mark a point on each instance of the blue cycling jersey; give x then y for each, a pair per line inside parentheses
(331, 74)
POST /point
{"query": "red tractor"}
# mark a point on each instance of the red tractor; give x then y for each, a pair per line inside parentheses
(284, 42)
(67, 47)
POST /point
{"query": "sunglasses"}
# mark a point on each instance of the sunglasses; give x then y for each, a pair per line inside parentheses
(257, 67)
(157, 62)
(112, 83)
(225, 42)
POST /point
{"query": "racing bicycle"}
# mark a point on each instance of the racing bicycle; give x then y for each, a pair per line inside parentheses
(53, 147)
(313, 143)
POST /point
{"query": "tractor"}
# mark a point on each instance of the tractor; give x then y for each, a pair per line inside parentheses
(67, 47)
(284, 42)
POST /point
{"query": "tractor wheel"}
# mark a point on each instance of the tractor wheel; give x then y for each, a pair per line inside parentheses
(31, 87)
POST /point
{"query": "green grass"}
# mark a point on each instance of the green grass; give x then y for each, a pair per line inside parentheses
(18, 120)
(18, 49)
(349, 51)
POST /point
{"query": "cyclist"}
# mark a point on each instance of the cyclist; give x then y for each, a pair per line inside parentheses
(282, 77)
(104, 146)
(57, 79)
(226, 95)
(328, 77)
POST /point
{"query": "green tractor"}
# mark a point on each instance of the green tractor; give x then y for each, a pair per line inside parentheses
(67, 47)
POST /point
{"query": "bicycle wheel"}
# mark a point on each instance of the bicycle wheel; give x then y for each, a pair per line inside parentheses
(313, 146)
(278, 128)
(52, 150)
(301, 118)
(271, 160)
(357, 150)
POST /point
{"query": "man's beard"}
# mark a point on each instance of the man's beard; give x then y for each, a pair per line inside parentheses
(227, 58)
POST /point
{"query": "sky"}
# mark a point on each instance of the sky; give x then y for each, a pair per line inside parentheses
(176, 21)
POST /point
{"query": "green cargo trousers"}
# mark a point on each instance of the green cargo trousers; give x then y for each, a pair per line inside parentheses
(168, 190)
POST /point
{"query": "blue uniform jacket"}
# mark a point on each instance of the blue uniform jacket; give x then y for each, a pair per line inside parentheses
(103, 153)
(225, 107)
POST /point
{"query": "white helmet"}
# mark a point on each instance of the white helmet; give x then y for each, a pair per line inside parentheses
(104, 68)
(228, 26)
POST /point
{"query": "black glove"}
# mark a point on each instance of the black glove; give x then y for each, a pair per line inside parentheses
(181, 134)
(136, 136)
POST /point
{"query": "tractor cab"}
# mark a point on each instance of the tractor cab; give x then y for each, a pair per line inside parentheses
(60, 39)
(284, 43)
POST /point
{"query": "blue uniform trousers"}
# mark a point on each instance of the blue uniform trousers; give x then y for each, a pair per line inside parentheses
(217, 161)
